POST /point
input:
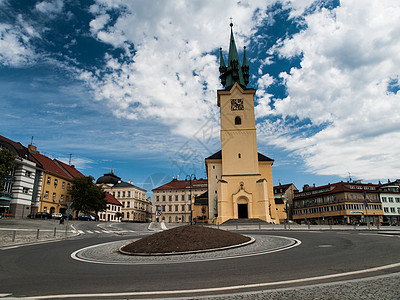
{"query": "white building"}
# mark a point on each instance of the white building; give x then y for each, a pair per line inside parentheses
(135, 206)
(390, 198)
(21, 195)
(113, 211)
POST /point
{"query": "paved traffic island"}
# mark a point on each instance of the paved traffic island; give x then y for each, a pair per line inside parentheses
(185, 240)
(205, 246)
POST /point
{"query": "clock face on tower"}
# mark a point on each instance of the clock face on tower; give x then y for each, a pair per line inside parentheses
(237, 104)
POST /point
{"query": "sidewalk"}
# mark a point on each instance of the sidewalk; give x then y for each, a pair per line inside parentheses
(24, 231)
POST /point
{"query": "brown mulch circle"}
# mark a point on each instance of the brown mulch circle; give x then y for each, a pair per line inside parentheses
(184, 239)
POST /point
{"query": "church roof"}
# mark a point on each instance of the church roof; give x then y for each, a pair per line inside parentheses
(176, 184)
(109, 178)
(218, 155)
(234, 72)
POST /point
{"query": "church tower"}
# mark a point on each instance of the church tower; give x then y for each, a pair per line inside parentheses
(240, 178)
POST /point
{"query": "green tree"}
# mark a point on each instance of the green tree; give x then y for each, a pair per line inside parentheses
(6, 159)
(86, 196)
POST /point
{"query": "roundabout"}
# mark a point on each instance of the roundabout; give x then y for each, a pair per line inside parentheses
(280, 262)
(109, 253)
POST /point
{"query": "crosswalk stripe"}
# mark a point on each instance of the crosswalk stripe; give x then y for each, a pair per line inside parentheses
(81, 231)
(97, 231)
(88, 231)
(105, 231)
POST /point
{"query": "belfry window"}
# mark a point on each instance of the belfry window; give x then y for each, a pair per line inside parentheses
(239, 155)
(238, 120)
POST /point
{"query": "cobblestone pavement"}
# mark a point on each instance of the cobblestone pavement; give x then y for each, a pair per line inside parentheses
(385, 287)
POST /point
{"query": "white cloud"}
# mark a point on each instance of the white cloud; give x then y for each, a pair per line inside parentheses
(349, 57)
(15, 47)
(171, 78)
(50, 7)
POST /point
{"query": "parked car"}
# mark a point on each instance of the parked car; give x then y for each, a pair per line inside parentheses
(85, 218)
(42, 215)
(57, 216)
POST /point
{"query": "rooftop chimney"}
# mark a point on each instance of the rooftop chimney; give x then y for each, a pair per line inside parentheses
(32, 148)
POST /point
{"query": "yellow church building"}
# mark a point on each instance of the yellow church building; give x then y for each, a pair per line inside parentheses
(239, 178)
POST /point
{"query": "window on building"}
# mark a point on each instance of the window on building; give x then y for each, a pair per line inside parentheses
(54, 197)
(183, 207)
(61, 198)
(398, 210)
(189, 207)
(68, 186)
(127, 215)
(169, 219)
(28, 173)
(46, 195)
(169, 198)
(176, 207)
(48, 180)
(176, 197)
(397, 200)
(118, 194)
(163, 207)
(169, 207)
(239, 155)
(386, 209)
(158, 198)
(183, 197)
(123, 203)
(63, 184)
(163, 198)
(384, 199)
(55, 182)
(25, 190)
(128, 204)
(238, 120)
(392, 210)
(391, 199)
(123, 194)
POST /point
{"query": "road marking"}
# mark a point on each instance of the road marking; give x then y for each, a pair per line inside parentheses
(88, 231)
(97, 231)
(218, 289)
(106, 231)
(81, 231)
(325, 246)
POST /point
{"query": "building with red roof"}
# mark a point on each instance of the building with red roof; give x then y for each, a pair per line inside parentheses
(113, 213)
(173, 201)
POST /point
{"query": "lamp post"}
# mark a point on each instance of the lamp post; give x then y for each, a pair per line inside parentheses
(190, 177)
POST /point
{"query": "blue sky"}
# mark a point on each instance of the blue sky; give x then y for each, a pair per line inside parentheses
(131, 85)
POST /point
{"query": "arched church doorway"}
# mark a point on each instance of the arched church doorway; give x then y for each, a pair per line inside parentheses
(243, 211)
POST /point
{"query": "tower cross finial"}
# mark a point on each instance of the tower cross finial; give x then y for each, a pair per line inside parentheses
(231, 24)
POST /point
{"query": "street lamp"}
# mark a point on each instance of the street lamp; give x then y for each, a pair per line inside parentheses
(190, 177)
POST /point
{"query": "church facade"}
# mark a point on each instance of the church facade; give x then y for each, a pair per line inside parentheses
(240, 181)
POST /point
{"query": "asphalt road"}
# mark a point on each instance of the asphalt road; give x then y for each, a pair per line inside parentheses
(48, 269)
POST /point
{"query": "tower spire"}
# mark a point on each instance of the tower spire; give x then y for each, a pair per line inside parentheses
(233, 72)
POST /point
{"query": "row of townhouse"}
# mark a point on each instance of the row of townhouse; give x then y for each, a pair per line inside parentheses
(352, 202)
(37, 183)
(41, 184)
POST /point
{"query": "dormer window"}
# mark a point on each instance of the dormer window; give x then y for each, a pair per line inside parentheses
(238, 121)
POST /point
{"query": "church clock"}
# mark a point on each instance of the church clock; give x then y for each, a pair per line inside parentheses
(237, 104)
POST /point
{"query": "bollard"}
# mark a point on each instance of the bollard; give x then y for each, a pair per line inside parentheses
(37, 234)
(284, 225)
(55, 229)
(288, 225)
(14, 233)
(377, 226)
(330, 226)
(355, 227)
(308, 225)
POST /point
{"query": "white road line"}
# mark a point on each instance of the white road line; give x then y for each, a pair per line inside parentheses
(220, 289)
(88, 231)
(105, 231)
(97, 231)
(81, 231)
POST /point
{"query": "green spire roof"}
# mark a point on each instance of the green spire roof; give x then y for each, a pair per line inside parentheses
(233, 72)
